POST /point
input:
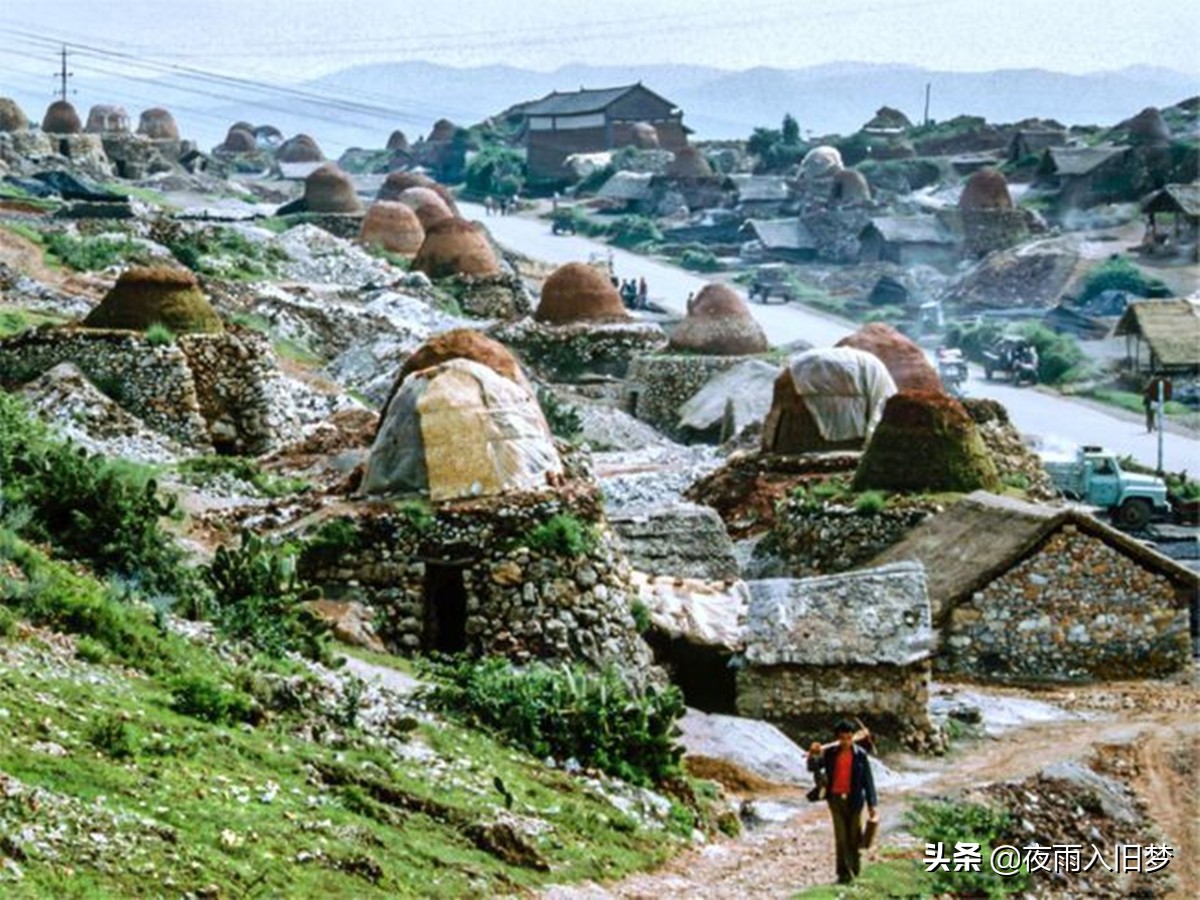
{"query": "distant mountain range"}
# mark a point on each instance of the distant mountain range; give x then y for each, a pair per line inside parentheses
(826, 99)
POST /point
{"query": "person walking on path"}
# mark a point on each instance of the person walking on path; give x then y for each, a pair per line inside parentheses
(849, 785)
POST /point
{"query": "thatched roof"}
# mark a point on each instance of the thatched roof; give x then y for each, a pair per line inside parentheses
(427, 204)
(577, 292)
(1175, 198)
(906, 362)
(781, 234)
(12, 117)
(689, 163)
(456, 247)
(61, 118)
(1170, 327)
(986, 189)
(328, 189)
(106, 118)
(627, 186)
(870, 617)
(145, 296)
(392, 226)
(1076, 161)
(912, 230)
(984, 535)
(299, 149)
(719, 323)
(158, 124)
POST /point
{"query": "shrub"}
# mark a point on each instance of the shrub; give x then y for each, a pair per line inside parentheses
(88, 254)
(634, 231)
(700, 261)
(159, 335)
(8, 622)
(199, 470)
(202, 697)
(947, 823)
(563, 418)
(641, 616)
(870, 503)
(562, 534)
(112, 736)
(1119, 274)
(567, 712)
(1060, 357)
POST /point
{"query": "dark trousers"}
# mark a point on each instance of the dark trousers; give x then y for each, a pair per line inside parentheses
(847, 835)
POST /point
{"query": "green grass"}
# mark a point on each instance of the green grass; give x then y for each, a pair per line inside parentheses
(897, 874)
(180, 803)
(202, 469)
(14, 321)
(1132, 401)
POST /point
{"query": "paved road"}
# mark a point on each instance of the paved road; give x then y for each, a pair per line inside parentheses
(1052, 420)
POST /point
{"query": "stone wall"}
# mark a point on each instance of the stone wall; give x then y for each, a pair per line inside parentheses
(806, 701)
(153, 383)
(985, 230)
(816, 540)
(567, 352)
(515, 598)
(662, 382)
(684, 540)
(1075, 609)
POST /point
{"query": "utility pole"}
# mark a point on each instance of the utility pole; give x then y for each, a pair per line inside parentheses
(928, 85)
(63, 75)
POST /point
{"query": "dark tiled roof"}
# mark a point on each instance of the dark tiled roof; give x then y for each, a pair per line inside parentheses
(576, 102)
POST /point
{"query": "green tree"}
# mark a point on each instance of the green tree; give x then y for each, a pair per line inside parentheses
(791, 130)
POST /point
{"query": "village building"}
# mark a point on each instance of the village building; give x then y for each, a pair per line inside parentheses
(1161, 337)
(587, 121)
(910, 240)
(1029, 143)
(470, 534)
(861, 643)
(1020, 591)
(1085, 176)
(629, 192)
(758, 196)
(1179, 205)
(787, 240)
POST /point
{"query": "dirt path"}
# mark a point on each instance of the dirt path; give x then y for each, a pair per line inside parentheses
(778, 861)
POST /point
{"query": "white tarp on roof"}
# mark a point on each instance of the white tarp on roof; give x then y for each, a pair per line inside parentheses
(843, 389)
(745, 391)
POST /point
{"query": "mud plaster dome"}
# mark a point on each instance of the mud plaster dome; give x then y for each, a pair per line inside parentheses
(427, 204)
(926, 442)
(577, 292)
(456, 247)
(820, 161)
(105, 118)
(689, 163)
(905, 361)
(61, 118)
(328, 189)
(850, 186)
(145, 296)
(239, 141)
(719, 323)
(12, 117)
(392, 226)
(443, 130)
(397, 183)
(299, 149)
(986, 189)
(460, 430)
(464, 343)
(158, 124)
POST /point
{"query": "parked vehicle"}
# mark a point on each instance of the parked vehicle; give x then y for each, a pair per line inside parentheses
(772, 280)
(1095, 476)
(952, 368)
(1012, 357)
(563, 222)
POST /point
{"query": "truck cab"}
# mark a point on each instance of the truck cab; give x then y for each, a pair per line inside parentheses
(1095, 476)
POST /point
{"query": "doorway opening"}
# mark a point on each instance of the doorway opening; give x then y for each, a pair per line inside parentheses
(445, 610)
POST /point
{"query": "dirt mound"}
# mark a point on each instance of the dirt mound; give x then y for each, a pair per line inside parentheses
(144, 296)
(426, 203)
(61, 118)
(730, 775)
(299, 149)
(689, 163)
(925, 442)
(456, 247)
(158, 124)
(12, 117)
(328, 189)
(719, 323)
(392, 226)
(1009, 278)
(577, 292)
(986, 189)
(905, 361)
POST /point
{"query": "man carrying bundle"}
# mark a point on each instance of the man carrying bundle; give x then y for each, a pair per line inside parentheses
(846, 772)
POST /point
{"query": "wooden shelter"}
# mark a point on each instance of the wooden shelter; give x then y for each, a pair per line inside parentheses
(1181, 202)
(1169, 330)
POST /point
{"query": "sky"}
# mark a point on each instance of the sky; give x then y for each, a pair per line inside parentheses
(289, 41)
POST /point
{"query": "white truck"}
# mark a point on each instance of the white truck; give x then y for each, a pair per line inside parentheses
(1094, 476)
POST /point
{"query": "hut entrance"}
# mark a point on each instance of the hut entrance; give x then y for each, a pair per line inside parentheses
(703, 674)
(445, 610)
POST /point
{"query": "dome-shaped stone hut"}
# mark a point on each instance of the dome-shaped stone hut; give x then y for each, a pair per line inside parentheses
(830, 399)
(328, 189)
(719, 323)
(427, 204)
(456, 247)
(158, 124)
(392, 226)
(61, 118)
(985, 189)
(1149, 127)
(849, 186)
(464, 343)
(925, 442)
(12, 117)
(905, 361)
(820, 162)
(239, 140)
(689, 162)
(299, 149)
(397, 183)
(443, 130)
(149, 295)
(644, 136)
(268, 136)
(106, 118)
(397, 140)
(577, 292)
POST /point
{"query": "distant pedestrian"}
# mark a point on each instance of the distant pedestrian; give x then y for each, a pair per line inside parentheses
(643, 294)
(1148, 404)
